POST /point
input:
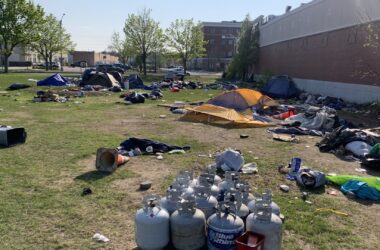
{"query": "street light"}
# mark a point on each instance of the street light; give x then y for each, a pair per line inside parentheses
(60, 25)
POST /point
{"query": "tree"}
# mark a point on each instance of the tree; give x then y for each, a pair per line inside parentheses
(18, 22)
(186, 38)
(142, 34)
(120, 46)
(52, 38)
(247, 50)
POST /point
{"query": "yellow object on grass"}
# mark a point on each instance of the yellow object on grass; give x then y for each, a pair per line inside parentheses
(217, 115)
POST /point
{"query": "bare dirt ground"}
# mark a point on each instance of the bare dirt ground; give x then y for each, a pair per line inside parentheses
(143, 121)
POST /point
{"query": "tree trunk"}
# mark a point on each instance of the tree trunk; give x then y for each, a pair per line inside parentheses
(184, 62)
(155, 62)
(50, 61)
(144, 62)
(46, 63)
(6, 63)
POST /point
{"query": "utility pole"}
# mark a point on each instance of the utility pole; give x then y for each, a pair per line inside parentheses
(61, 59)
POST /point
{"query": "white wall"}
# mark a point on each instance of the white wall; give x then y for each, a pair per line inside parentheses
(317, 17)
(356, 93)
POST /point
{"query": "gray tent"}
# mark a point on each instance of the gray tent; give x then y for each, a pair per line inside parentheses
(98, 78)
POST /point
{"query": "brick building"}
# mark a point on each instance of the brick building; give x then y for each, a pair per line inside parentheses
(221, 40)
(92, 57)
(329, 47)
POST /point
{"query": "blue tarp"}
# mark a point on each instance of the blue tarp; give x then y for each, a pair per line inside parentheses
(54, 80)
(281, 87)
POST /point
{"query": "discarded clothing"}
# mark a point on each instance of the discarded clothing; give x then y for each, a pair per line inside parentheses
(361, 190)
(314, 118)
(310, 178)
(373, 182)
(358, 148)
(133, 143)
(296, 131)
(135, 98)
(17, 86)
(375, 151)
(342, 136)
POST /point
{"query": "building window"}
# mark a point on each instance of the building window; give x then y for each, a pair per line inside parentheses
(213, 30)
(212, 41)
(224, 31)
(205, 30)
(231, 42)
(229, 54)
(223, 42)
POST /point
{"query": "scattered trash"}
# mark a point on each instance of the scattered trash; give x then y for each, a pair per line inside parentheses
(12, 136)
(284, 188)
(86, 191)
(305, 195)
(361, 170)
(100, 238)
(250, 168)
(145, 185)
(244, 136)
(285, 138)
(162, 116)
(160, 157)
(331, 211)
(309, 202)
(282, 217)
(177, 151)
(17, 86)
(332, 192)
(229, 160)
(107, 160)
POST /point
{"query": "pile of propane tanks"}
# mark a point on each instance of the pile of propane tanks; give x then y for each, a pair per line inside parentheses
(207, 211)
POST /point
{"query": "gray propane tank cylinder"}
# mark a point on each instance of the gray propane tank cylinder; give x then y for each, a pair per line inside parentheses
(266, 197)
(264, 222)
(169, 202)
(229, 182)
(211, 169)
(223, 228)
(245, 189)
(188, 226)
(233, 197)
(204, 201)
(152, 225)
(207, 180)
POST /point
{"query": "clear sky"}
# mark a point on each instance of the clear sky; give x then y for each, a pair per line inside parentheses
(92, 22)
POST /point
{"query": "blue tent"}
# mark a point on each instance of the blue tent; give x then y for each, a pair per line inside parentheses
(281, 87)
(54, 80)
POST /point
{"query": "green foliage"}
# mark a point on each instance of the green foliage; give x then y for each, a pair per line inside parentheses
(143, 34)
(18, 22)
(51, 38)
(247, 52)
(121, 47)
(186, 39)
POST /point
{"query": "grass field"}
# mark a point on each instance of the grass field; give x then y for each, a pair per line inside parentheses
(41, 181)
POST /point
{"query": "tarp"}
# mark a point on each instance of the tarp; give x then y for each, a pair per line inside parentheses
(99, 78)
(54, 80)
(135, 82)
(208, 113)
(242, 99)
(281, 87)
(341, 179)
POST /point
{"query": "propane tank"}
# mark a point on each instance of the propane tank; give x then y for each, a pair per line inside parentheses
(151, 225)
(189, 176)
(264, 222)
(188, 226)
(234, 198)
(211, 169)
(169, 202)
(223, 228)
(207, 180)
(204, 201)
(183, 181)
(244, 188)
(228, 183)
(267, 196)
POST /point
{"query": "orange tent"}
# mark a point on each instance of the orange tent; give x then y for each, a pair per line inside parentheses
(208, 113)
(242, 99)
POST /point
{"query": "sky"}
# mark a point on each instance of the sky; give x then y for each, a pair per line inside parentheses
(91, 23)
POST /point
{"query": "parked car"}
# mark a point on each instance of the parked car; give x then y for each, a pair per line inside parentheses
(53, 65)
(122, 66)
(176, 73)
(109, 68)
(82, 64)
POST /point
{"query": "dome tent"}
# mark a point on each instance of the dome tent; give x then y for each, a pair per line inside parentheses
(241, 99)
(54, 80)
(281, 87)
